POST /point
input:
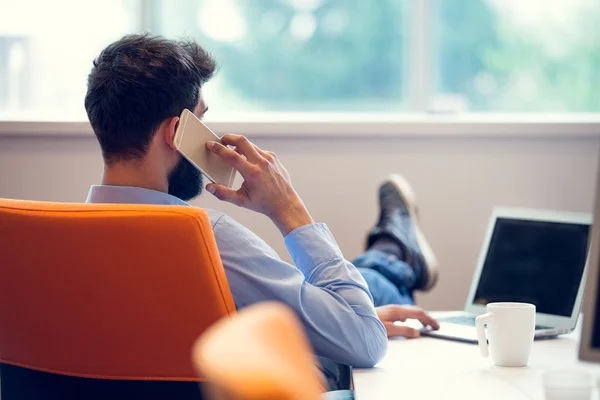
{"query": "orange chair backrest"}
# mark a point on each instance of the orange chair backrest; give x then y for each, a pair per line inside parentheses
(107, 291)
(261, 353)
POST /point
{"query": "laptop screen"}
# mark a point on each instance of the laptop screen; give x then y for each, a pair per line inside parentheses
(536, 262)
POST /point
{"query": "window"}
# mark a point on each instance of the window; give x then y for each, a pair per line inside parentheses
(516, 55)
(320, 55)
(297, 55)
(47, 49)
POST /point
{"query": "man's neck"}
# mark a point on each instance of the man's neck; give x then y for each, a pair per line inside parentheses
(136, 174)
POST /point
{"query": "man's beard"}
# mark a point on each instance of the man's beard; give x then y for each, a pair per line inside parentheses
(185, 181)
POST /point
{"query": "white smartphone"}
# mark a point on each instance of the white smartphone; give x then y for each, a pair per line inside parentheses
(191, 137)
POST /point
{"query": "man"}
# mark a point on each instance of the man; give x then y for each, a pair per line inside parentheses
(137, 88)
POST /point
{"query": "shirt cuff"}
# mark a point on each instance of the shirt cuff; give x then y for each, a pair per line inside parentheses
(310, 246)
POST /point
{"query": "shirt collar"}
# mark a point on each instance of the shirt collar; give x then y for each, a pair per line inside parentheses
(131, 195)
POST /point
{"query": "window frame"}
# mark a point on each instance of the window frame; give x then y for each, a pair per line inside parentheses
(365, 125)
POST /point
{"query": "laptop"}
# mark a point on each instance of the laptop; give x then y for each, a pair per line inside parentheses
(528, 256)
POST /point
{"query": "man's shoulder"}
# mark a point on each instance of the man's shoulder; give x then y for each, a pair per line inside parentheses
(222, 222)
(230, 234)
(215, 216)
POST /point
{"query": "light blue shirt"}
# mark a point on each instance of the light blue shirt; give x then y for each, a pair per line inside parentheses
(327, 292)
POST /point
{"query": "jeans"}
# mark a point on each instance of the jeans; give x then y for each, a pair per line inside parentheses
(390, 280)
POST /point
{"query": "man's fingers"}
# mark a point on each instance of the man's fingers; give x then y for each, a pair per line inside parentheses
(420, 315)
(244, 146)
(231, 157)
(224, 193)
(398, 330)
(268, 155)
(427, 320)
(394, 312)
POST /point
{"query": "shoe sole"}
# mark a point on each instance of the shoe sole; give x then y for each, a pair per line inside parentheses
(408, 195)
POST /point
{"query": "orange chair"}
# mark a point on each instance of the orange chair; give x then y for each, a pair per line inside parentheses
(259, 354)
(105, 301)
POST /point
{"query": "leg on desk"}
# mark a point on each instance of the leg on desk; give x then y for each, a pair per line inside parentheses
(398, 259)
(388, 279)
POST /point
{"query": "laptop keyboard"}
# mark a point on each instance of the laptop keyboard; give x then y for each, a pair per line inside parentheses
(468, 320)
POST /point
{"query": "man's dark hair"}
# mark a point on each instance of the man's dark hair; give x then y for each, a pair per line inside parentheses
(135, 84)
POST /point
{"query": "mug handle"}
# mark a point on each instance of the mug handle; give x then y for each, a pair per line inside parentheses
(480, 321)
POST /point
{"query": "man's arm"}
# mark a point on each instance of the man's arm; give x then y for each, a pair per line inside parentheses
(326, 291)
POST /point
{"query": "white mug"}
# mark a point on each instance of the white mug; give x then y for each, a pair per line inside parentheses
(510, 331)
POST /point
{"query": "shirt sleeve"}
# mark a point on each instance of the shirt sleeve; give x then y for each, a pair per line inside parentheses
(326, 291)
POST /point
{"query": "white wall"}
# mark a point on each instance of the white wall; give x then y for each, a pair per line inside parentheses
(457, 179)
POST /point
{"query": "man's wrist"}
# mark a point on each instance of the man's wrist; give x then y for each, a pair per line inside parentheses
(294, 217)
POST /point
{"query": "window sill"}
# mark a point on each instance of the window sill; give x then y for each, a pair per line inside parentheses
(320, 125)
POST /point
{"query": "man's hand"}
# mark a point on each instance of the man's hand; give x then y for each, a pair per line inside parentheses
(267, 187)
(394, 312)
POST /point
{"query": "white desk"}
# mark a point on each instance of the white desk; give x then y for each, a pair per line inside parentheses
(428, 368)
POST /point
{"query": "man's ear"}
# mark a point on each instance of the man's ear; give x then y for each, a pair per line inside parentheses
(169, 127)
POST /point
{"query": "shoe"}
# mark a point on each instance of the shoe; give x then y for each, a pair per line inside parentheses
(398, 220)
